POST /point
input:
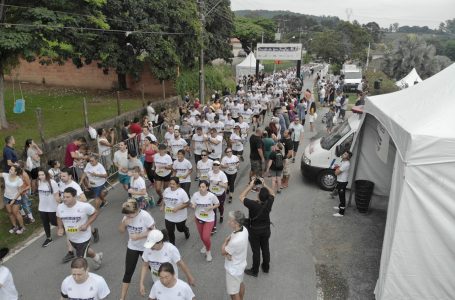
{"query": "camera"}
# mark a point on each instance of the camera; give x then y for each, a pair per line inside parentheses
(258, 181)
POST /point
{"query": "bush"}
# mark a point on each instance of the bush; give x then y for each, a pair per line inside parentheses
(216, 79)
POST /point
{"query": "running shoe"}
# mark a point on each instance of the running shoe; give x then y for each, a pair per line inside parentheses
(98, 260)
(96, 235)
(338, 215)
(187, 234)
(203, 250)
(68, 257)
(20, 230)
(213, 230)
(251, 272)
(46, 243)
(221, 219)
(209, 256)
(13, 229)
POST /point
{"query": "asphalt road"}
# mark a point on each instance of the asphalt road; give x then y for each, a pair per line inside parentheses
(38, 272)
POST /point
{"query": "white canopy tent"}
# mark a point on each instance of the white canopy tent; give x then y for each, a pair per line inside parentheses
(409, 80)
(406, 146)
(247, 66)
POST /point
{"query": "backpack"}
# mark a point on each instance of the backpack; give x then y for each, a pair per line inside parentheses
(342, 100)
(279, 161)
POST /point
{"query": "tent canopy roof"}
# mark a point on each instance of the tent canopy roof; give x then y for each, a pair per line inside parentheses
(249, 61)
(409, 79)
(421, 119)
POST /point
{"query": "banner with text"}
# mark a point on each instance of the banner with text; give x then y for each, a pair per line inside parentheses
(279, 51)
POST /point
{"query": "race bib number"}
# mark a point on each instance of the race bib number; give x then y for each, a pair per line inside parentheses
(216, 189)
(168, 210)
(71, 229)
(160, 172)
(204, 214)
(204, 177)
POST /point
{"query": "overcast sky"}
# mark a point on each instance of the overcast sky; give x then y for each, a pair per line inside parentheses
(383, 12)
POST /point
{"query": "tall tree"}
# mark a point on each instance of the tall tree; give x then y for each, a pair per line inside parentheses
(327, 45)
(374, 30)
(46, 30)
(413, 52)
(250, 31)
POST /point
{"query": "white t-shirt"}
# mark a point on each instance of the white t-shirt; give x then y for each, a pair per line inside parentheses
(160, 163)
(94, 288)
(180, 291)
(12, 186)
(62, 186)
(229, 125)
(140, 223)
(344, 168)
(73, 218)
(173, 199)
(205, 125)
(246, 114)
(102, 149)
(237, 142)
(216, 178)
(98, 169)
(235, 109)
(137, 184)
(231, 163)
(8, 290)
(238, 249)
(201, 203)
(176, 145)
(216, 148)
(169, 253)
(151, 113)
(121, 159)
(218, 126)
(298, 131)
(199, 144)
(182, 168)
(168, 136)
(204, 168)
(47, 201)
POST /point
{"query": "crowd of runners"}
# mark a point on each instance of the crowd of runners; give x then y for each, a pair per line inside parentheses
(203, 149)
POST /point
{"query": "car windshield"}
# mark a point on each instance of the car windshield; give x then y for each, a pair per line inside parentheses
(327, 142)
(353, 75)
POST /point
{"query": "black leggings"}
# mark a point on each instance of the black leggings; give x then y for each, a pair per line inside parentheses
(231, 181)
(48, 218)
(170, 227)
(148, 169)
(130, 264)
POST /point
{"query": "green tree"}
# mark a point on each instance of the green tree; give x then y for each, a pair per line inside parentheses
(160, 34)
(47, 30)
(413, 52)
(374, 30)
(327, 45)
(448, 26)
(250, 31)
(450, 49)
(354, 40)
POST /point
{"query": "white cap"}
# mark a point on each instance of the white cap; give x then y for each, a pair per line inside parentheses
(176, 127)
(216, 162)
(153, 237)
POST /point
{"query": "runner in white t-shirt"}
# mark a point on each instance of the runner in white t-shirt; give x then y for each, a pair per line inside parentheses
(158, 251)
(49, 198)
(205, 203)
(204, 166)
(230, 165)
(182, 168)
(96, 176)
(237, 142)
(7, 288)
(75, 217)
(138, 223)
(174, 205)
(198, 144)
(235, 249)
(228, 128)
(138, 189)
(215, 145)
(177, 143)
(218, 185)
(163, 170)
(169, 286)
(82, 284)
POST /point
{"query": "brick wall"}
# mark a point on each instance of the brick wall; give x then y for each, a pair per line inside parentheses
(89, 76)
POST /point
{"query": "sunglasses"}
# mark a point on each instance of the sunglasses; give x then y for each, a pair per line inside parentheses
(228, 151)
(203, 154)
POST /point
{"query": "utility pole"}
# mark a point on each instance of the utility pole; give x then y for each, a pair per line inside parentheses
(201, 55)
(368, 56)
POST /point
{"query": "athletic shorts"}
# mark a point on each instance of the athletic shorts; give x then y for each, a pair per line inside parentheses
(256, 166)
(34, 173)
(263, 112)
(98, 189)
(296, 146)
(124, 179)
(10, 201)
(166, 178)
(81, 248)
(233, 283)
(276, 173)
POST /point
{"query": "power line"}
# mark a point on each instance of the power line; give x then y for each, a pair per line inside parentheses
(93, 29)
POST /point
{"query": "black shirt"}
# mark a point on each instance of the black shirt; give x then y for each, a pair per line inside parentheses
(272, 157)
(288, 146)
(254, 208)
(255, 144)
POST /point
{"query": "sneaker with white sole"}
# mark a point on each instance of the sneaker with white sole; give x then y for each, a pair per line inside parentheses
(336, 207)
(20, 230)
(209, 256)
(13, 229)
(338, 215)
(98, 259)
(203, 250)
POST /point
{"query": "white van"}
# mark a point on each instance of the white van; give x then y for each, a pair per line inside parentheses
(322, 154)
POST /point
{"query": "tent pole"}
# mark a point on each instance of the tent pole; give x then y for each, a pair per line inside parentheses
(356, 161)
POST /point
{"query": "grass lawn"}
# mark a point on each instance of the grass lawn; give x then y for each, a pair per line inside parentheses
(268, 65)
(10, 240)
(62, 110)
